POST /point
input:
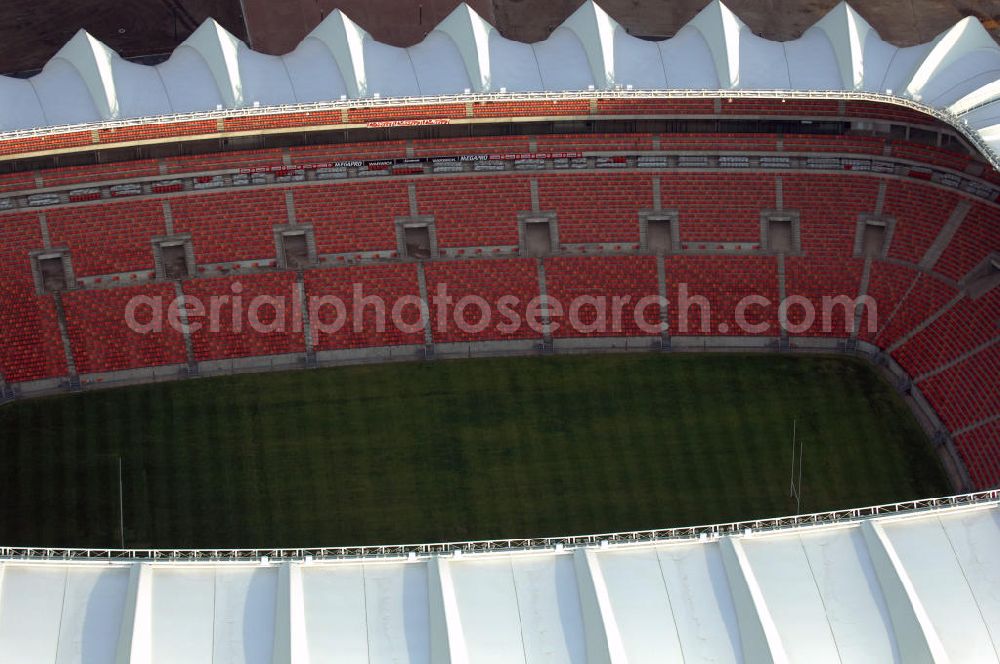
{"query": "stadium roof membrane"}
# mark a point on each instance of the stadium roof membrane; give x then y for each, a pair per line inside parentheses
(957, 72)
(916, 586)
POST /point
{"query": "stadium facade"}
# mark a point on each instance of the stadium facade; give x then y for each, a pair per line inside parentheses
(920, 586)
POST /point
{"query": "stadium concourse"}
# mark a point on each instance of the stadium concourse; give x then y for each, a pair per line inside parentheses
(592, 164)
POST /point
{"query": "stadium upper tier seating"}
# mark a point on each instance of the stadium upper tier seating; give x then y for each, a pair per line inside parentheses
(936, 308)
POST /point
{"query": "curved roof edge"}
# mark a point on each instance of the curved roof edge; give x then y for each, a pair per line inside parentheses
(407, 551)
(915, 581)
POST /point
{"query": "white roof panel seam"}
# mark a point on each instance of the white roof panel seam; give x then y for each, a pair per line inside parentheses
(822, 600)
(670, 603)
(517, 604)
(62, 614)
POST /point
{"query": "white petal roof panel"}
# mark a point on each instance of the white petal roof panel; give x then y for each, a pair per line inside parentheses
(812, 62)
(439, 66)
(954, 571)
(313, 73)
(488, 607)
(264, 78)
(818, 588)
(638, 63)
(188, 82)
(30, 608)
(877, 58)
(549, 606)
(183, 614)
(513, 65)
(334, 606)
(389, 71)
(140, 90)
(21, 108)
(396, 602)
(562, 62)
(763, 65)
(641, 603)
(688, 61)
(703, 608)
(887, 588)
(904, 62)
(63, 94)
(984, 116)
(962, 77)
(92, 612)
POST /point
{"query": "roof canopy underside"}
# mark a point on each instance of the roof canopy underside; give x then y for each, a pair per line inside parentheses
(86, 81)
(904, 588)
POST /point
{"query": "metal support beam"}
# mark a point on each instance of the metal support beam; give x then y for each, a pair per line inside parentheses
(291, 645)
(604, 639)
(916, 637)
(447, 636)
(135, 637)
(759, 635)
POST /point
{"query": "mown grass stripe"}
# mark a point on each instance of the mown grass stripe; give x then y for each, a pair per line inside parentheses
(508, 447)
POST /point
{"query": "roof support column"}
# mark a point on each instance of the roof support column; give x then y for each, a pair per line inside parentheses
(758, 633)
(447, 637)
(135, 638)
(291, 646)
(604, 640)
(916, 637)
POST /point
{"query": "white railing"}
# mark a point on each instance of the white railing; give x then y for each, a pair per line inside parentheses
(499, 545)
(943, 115)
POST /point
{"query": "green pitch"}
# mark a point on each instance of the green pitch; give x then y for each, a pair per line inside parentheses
(456, 450)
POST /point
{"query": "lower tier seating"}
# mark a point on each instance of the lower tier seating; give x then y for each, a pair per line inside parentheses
(968, 392)
(718, 207)
(920, 213)
(365, 323)
(490, 280)
(924, 297)
(256, 316)
(971, 244)
(831, 287)
(586, 289)
(963, 328)
(980, 450)
(102, 338)
(693, 281)
(829, 206)
(30, 343)
(888, 284)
